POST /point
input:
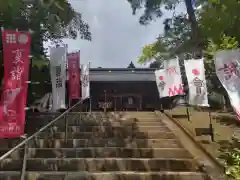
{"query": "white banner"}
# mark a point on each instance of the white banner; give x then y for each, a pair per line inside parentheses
(171, 78)
(195, 73)
(160, 74)
(58, 76)
(85, 81)
(227, 66)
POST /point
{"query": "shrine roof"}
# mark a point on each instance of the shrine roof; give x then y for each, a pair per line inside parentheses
(122, 74)
(122, 69)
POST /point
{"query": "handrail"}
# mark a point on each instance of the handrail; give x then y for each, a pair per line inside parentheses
(24, 162)
(38, 132)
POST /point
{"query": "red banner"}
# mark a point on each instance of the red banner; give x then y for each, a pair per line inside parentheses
(74, 75)
(16, 51)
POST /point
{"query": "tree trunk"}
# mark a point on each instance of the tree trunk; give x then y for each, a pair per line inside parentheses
(194, 25)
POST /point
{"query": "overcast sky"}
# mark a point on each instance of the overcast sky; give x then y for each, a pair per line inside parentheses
(117, 36)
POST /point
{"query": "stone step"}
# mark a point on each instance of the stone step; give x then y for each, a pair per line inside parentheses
(102, 153)
(94, 117)
(9, 143)
(37, 122)
(101, 164)
(119, 129)
(163, 175)
(90, 135)
(100, 142)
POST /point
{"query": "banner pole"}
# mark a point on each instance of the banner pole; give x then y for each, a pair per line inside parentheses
(187, 110)
(188, 115)
(90, 98)
(66, 71)
(29, 94)
(211, 126)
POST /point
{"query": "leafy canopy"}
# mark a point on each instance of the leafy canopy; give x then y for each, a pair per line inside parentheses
(48, 21)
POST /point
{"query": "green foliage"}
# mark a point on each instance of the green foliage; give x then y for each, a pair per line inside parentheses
(230, 156)
(152, 52)
(225, 43)
(152, 8)
(47, 19)
(156, 65)
(175, 41)
(220, 17)
(52, 21)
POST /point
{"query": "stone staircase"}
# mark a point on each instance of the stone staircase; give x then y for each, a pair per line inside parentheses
(129, 146)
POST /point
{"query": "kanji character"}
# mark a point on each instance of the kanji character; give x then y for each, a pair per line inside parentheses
(16, 72)
(172, 70)
(11, 38)
(199, 84)
(58, 82)
(18, 56)
(58, 71)
(230, 70)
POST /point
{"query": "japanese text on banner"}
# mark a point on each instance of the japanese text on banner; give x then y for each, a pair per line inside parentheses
(16, 50)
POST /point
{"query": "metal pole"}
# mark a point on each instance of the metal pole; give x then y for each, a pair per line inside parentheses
(90, 104)
(66, 63)
(187, 110)
(90, 98)
(29, 91)
(188, 115)
(30, 80)
(24, 162)
(66, 128)
(211, 126)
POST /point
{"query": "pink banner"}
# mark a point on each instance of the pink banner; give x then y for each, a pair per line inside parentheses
(74, 75)
(16, 51)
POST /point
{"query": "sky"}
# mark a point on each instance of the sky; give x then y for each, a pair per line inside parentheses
(117, 36)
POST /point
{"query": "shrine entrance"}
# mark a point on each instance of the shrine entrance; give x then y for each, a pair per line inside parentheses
(131, 102)
(122, 102)
(124, 96)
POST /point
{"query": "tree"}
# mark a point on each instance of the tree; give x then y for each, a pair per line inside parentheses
(156, 65)
(53, 22)
(215, 27)
(152, 10)
(175, 41)
(219, 18)
(48, 19)
(156, 51)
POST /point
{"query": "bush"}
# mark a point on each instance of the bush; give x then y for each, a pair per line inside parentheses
(230, 155)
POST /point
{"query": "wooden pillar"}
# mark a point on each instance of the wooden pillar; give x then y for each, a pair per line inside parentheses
(115, 104)
(121, 102)
(140, 103)
(105, 101)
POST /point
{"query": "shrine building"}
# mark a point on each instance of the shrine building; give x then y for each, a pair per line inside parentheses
(123, 89)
